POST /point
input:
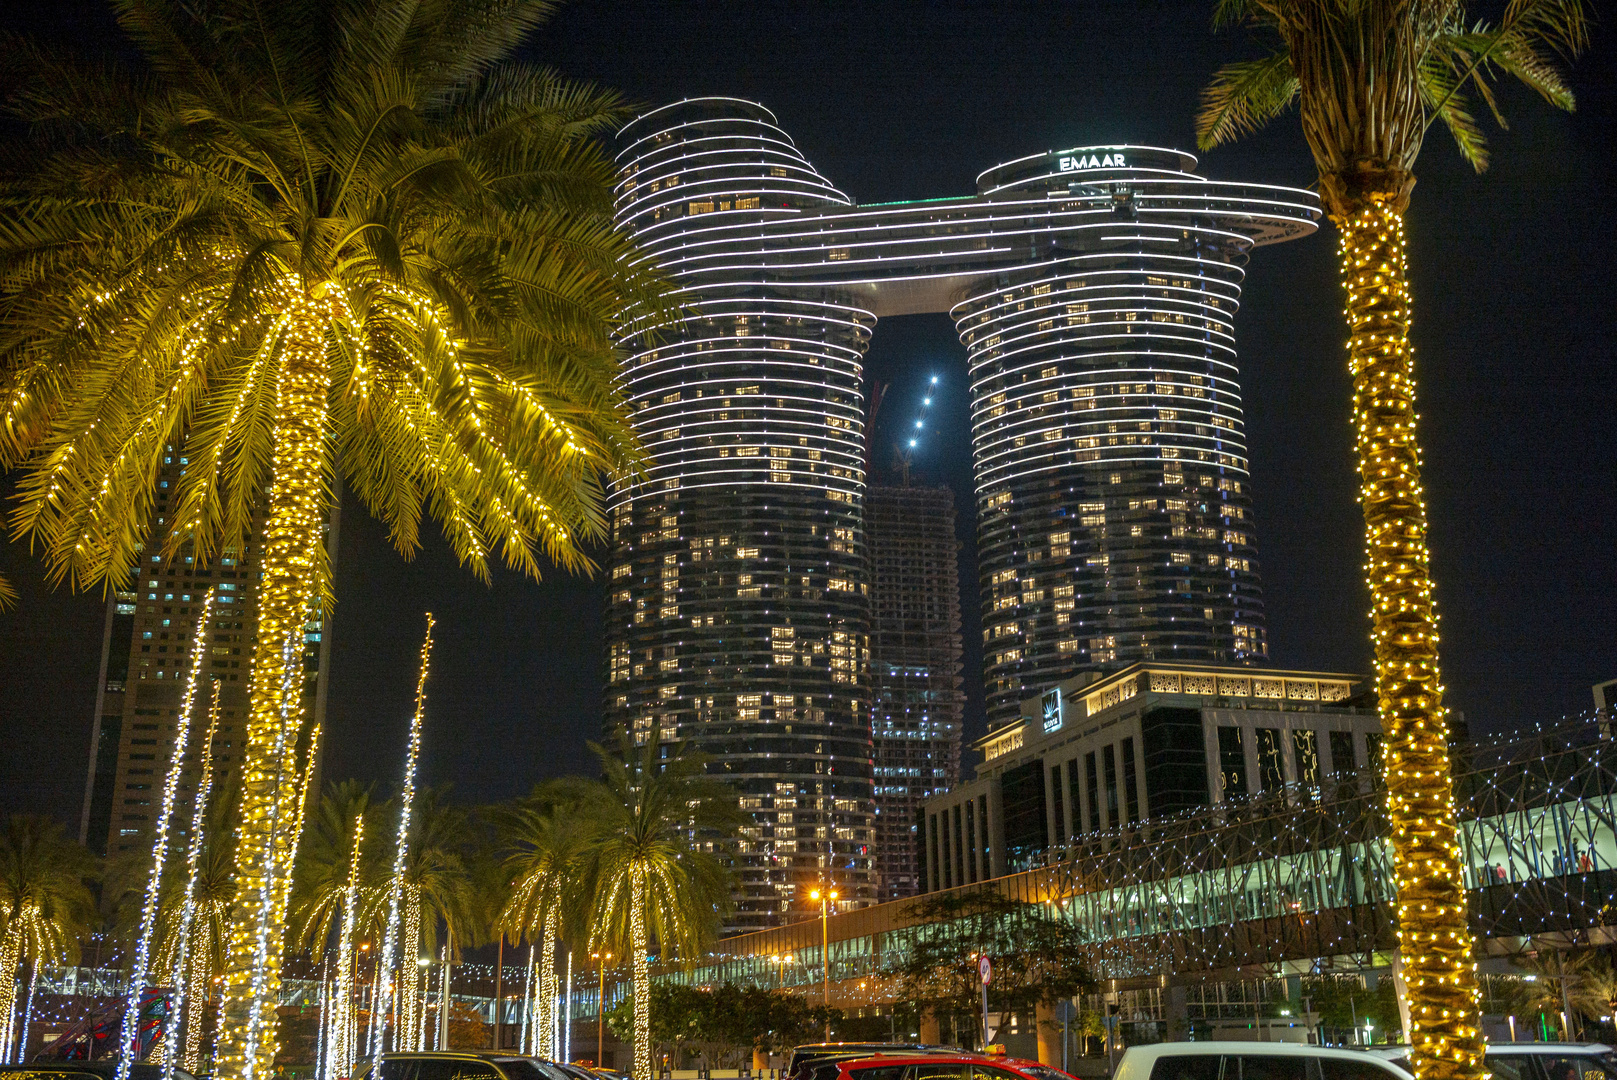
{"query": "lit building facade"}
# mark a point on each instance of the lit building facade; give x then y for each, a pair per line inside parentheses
(1094, 291)
(917, 707)
(1090, 759)
(151, 632)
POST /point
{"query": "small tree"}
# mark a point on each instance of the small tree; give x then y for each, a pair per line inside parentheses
(1037, 957)
(672, 1012)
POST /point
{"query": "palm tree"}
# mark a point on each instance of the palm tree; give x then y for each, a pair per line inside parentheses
(45, 904)
(437, 891)
(659, 829)
(1369, 77)
(1580, 979)
(321, 884)
(548, 833)
(304, 235)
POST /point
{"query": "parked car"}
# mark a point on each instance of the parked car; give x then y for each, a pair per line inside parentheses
(573, 1072)
(608, 1074)
(460, 1065)
(1530, 1060)
(1252, 1061)
(817, 1061)
(102, 1069)
(942, 1065)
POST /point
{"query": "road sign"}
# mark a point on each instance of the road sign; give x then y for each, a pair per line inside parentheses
(985, 970)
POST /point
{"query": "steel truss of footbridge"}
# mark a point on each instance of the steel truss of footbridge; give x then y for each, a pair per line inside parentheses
(1295, 881)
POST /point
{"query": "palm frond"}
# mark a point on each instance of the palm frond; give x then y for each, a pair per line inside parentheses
(1243, 97)
(1440, 74)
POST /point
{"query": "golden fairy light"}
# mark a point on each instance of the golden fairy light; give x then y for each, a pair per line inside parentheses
(1433, 935)
(130, 1036)
(409, 954)
(269, 792)
(640, 969)
(438, 378)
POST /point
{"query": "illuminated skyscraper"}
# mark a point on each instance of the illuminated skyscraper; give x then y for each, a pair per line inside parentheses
(1094, 289)
(151, 631)
(917, 704)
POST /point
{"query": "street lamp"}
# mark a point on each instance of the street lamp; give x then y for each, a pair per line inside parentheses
(826, 897)
(600, 1009)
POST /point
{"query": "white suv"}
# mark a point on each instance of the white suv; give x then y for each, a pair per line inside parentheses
(1254, 1061)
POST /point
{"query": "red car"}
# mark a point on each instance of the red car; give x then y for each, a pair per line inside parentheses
(944, 1067)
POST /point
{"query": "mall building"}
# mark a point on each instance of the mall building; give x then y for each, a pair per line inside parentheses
(1093, 757)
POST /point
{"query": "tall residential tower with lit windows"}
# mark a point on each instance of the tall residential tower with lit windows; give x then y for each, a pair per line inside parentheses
(1094, 290)
(152, 629)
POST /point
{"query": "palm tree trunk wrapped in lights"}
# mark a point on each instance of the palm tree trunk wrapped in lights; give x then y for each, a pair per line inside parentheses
(410, 973)
(549, 987)
(10, 957)
(1427, 859)
(1369, 78)
(640, 971)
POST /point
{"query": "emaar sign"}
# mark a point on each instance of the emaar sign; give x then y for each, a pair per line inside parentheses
(1050, 707)
(1080, 161)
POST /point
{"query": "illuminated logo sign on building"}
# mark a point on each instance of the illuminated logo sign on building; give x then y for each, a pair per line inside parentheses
(1109, 161)
(1050, 706)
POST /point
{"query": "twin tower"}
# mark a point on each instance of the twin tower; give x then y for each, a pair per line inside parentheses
(1094, 290)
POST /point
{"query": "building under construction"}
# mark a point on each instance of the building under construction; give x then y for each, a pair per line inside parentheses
(916, 700)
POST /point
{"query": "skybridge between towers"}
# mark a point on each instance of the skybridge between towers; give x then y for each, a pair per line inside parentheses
(1094, 290)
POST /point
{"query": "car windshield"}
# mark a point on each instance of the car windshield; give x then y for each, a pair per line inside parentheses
(1042, 1072)
(527, 1069)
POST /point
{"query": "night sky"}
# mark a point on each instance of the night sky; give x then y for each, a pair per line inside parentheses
(1513, 276)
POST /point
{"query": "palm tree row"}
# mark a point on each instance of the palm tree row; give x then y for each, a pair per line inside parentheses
(304, 240)
(633, 862)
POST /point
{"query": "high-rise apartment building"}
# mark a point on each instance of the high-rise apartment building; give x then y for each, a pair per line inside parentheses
(152, 631)
(917, 707)
(1093, 289)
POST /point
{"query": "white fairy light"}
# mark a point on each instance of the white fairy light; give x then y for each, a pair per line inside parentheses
(193, 861)
(130, 1036)
(271, 891)
(385, 975)
(340, 1047)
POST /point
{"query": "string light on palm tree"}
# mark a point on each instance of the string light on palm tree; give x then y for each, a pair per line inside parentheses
(650, 871)
(399, 890)
(184, 969)
(340, 1040)
(600, 959)
(44, 905)
(444, 336)
(130, 1036)
(548, 835)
